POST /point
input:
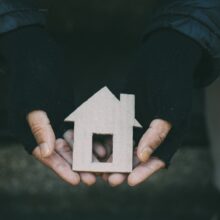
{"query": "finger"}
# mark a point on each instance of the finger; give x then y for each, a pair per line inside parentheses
(105, 176)
(64, 150)
(116, 179)
(42, 131)
(56, 163)
(144, 171)
(88, 178)
(152, 138)
(108, 146)
(136, 161)
(69, 137)
(95, 159)
(99, 150)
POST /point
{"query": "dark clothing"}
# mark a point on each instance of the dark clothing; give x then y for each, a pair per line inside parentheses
(38, 81)
(16, 14)
(198, 20)
(162, 80)
(180, 48)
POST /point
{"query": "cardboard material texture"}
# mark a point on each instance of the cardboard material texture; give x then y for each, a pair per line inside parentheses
(104, 114)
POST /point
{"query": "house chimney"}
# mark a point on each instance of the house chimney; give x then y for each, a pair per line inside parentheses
(128, 104)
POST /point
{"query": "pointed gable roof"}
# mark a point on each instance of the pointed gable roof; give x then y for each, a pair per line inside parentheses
(102, 96)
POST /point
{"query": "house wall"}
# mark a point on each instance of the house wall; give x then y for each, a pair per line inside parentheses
(122, 130)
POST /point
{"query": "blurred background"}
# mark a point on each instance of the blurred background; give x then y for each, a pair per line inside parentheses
(101, 37)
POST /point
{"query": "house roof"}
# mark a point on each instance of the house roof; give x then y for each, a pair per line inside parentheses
(102, 96)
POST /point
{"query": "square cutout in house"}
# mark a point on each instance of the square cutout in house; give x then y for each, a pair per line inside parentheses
(102, 148)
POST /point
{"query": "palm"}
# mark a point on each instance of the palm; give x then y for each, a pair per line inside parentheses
(60, 161)
(144, 164)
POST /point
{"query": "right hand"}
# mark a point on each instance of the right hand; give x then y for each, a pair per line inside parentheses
(54, 153)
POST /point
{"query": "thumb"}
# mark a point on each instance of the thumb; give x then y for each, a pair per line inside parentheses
(42, 131)
(152, 138)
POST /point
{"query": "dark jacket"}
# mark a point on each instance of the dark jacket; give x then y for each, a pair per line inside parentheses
(15, 14)
(197, 19)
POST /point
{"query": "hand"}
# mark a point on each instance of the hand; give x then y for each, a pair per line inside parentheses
(57, 154)
(42, 71)
(144, 164)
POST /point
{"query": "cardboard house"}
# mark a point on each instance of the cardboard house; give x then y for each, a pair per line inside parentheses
(104, 114)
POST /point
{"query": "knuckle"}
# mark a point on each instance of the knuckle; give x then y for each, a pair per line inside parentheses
(159, 138)
(158, 135)
(37, 120)
(61, 146)
(144, 173)
(151, 147)
(60, 167)
(162, 136)
(151, 168)
(38, 129)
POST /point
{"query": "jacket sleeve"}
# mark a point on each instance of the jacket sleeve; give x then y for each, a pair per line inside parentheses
(38, 79)
(198, 20)
(15, 14)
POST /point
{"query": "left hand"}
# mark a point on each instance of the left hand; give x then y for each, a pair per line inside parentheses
(144, 164)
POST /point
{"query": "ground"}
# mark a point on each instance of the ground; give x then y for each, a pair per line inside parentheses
(29, 191)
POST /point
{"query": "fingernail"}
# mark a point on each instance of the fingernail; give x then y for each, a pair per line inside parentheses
(144, 155)
(44, 149)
